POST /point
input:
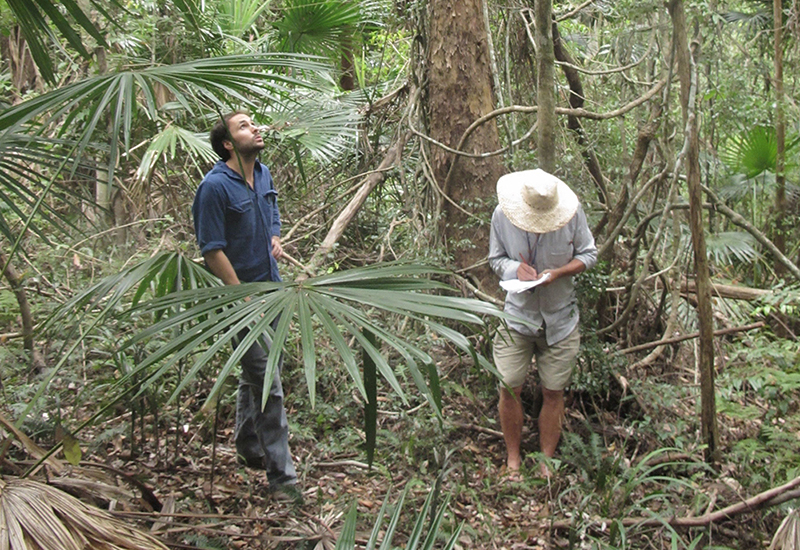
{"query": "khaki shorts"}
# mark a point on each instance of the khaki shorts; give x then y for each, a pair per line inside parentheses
(514, 351)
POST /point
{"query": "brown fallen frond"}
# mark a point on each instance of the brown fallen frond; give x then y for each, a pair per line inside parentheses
(35, 516)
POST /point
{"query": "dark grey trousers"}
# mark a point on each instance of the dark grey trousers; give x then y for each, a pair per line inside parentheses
(263, 435)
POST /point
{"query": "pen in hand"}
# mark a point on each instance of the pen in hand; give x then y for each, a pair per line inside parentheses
(526, 272)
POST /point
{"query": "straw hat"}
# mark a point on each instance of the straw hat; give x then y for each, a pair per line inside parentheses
(536, 201)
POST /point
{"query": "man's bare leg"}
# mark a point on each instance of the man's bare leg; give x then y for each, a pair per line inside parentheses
(550, 420)
(511, 419)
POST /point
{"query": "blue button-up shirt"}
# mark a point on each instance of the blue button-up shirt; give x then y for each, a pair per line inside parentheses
(240, 221)
(554, 305)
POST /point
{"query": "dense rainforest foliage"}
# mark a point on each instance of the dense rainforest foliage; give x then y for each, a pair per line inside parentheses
(387, 124)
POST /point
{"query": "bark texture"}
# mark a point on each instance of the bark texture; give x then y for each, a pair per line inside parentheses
(546, 92)
(458, 92)
(687, 74)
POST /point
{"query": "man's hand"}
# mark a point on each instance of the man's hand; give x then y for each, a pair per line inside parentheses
(574, 267)
(526, 272)
(277, 249)
(553, 275)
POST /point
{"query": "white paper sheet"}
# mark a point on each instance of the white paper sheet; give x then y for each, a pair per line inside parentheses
(515, 285)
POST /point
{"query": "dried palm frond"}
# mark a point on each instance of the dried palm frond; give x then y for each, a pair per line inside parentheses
(787, 537)
(35, 516)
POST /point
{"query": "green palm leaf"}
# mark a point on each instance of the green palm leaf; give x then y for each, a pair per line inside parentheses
(23, 159)
(324, 126)
(33, 16)
(728, 247)
(192, 318)
(752, 152)
(316, 26)
(319, 26)
(166, 143)
(237, 17)
(221, 81)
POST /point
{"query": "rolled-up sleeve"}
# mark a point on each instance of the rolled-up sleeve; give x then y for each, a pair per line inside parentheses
(208, 211)
(585, 249)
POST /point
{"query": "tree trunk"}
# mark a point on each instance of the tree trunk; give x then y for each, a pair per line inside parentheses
(459, 91)
(347, 80)
(780, 219)
(24, 75)
(15, 282)
(688, 78)
(546, 90)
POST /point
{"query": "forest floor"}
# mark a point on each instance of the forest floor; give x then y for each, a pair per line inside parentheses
(208, 500)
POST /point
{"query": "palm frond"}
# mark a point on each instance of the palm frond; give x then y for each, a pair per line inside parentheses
(35, 515)
(754, 22)
(751, 152)
(318, 27)
(25, 163)
(728, 247)
(193, 318)
(165, 144)
(196, 18)
(324, 126)
(237, 17)
(221, 81)
(33, 16)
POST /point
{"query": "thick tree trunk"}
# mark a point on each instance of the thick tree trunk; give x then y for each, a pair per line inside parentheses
(459, 91)
(546, 91)
(688, 77)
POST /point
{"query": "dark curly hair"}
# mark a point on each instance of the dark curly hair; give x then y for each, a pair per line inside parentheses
(220, 133)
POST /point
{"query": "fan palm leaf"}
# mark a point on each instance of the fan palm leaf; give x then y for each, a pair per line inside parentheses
(192, 318)
(35, 516)
(324, 126)
(318, 27)
(238, 17)
(752, 152)
(194, 85)
(166, 143)
(334, 301)
(728, 247)
(23, 160)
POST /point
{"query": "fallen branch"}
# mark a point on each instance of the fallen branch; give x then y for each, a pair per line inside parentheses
(479, 429)
(677, 339)
(761, 500)
(30, 446)
(730, 291)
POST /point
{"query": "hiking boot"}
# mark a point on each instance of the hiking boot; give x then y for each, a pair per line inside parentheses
(255, 462)
(289, 493)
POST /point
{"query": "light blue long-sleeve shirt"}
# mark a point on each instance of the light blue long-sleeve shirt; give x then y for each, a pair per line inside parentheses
(553, 305)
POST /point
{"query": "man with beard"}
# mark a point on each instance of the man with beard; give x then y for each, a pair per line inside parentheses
(237, 224)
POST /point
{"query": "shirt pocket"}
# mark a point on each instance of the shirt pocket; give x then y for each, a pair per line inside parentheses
(559, 256)
(240, 222)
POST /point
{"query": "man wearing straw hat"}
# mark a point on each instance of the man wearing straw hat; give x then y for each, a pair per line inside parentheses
(539, 233)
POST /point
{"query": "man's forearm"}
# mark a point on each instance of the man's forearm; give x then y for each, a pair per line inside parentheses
(221, 266)
(574, 267)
